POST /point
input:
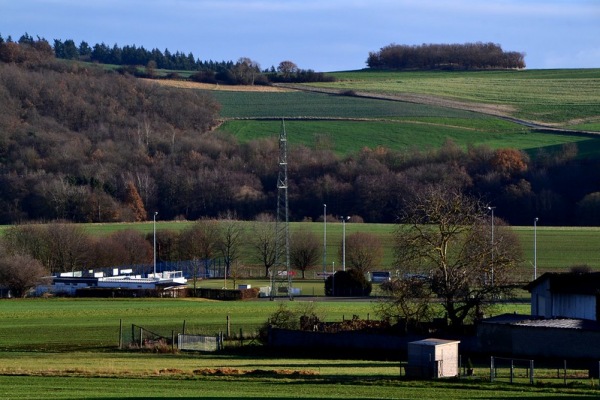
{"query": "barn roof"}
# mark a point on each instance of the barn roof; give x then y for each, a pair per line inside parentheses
(539, 322)
(569, 282)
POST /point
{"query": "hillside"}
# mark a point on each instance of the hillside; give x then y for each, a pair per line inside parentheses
(558, 98)
(86, 144)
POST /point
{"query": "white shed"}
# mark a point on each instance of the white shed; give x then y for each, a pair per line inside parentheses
(433, 358)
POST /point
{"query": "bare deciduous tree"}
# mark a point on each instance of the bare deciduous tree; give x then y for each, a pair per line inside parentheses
(230, 239)
(20, 273)
(199, 244)
(305, 250)
(445, 237)
(408, 298)
(363, 251)
(263, 240)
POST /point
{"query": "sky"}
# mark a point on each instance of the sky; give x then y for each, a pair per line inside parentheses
(322, 35)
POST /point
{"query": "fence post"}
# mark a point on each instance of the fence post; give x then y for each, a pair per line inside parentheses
(183, 327)
(531, 371)
(141, 337)
(512, 370)
(492, 369)
(565, 372)
(172, 341)
(228, 326)
(120, 334)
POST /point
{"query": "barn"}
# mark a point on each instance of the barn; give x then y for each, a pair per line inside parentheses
(566, 295)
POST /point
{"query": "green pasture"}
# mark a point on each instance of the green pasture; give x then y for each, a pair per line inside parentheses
(67, 348)
(349, 137)
(565, 97)
(88, 324)
(297, 104)
(268, 387)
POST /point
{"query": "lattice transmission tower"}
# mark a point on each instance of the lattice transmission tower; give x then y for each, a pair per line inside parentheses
(281, 277)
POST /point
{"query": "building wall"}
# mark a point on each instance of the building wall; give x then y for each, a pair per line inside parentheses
(432, 360)
(527, 341)
(546, 304)
(573, 306)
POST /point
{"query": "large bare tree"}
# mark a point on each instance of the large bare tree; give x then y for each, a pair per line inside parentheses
(363, 251)
(262, 240)
(305, 250)
(446, 238)
(231, 238)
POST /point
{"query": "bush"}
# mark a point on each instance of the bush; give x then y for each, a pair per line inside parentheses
(348, 283)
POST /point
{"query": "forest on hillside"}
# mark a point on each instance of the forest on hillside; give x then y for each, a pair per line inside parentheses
(141, 62)
(83, 144)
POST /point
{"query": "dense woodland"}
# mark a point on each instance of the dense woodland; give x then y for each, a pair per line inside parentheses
(82, 144)
(131, 57)
(445, 56)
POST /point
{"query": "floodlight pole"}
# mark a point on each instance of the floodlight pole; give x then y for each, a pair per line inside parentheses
(344, 219)
(154, 248)
(535, 248)
(324, 239)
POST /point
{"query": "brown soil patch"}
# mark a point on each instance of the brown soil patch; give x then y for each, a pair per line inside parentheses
(209, 86)
(254, 372)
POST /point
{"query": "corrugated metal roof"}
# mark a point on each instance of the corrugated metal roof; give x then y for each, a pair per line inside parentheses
(557, 323)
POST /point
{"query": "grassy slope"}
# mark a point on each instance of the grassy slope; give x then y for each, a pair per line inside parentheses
(564, 97)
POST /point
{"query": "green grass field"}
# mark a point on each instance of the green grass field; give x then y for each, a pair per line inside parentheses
(348, 137)
(346, 124)
(67, 348)
(565, 97)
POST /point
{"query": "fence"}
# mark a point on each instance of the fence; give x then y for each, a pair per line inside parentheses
(199, 342)
(203, 337)
(511, 369)
(515, 370)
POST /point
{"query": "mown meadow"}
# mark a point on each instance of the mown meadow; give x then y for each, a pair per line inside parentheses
(564, 97)
(67, 348)
(346, 124)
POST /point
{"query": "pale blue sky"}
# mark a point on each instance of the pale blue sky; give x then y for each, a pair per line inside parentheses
(324, 35)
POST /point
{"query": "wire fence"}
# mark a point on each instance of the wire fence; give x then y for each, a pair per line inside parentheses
(515, 370)
(199, 337)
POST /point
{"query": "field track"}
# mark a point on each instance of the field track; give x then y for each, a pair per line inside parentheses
(497, 110)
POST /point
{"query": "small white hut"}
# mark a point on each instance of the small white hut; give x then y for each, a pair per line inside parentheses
(433, 358)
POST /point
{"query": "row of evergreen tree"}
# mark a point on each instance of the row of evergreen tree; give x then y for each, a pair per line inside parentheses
(126, 55)
(245, 71)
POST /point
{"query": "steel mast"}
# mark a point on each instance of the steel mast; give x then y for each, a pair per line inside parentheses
(281, 277)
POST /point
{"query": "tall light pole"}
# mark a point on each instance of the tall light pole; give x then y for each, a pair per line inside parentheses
(535, 248)
(344, 219)
(324, 238)
(492, 252)
(155, 214)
